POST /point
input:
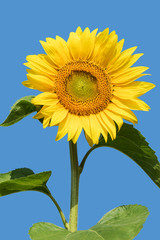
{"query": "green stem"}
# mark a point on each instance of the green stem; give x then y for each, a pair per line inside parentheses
(81, 166)
(74, 187)
(65, 223)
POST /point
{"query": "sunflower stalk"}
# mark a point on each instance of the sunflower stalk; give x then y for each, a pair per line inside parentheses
(74, 187)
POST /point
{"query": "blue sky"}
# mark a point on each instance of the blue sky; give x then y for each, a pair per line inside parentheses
(110, 179)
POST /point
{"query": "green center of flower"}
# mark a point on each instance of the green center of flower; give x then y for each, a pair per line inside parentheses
(82, 86)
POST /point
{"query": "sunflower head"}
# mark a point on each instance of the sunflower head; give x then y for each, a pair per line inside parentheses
(88, 83)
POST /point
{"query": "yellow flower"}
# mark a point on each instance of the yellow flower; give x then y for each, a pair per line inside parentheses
(87, 83)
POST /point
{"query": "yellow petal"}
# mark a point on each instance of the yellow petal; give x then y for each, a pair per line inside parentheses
(104, 131)
(46, 121)
(40, 63)
(126, 79)
(134, 104)
(123, 67)
(102, 36)
(46, 111)
(76, 136)
(105, 49)
(46, 98)
(95, 128)
(107, 124)
(124, 76)
(58, 116)
(49, 110)
(27, 84)
(109, 51)
(124, 113)
(55, 51)
(118, 49)
(86, 125)
(73, 126)
(63, 127)
(38, 116)
(116, 118)
(100, 40)
(89, 140)
(74, 45)
(63, 48)
(79, 31)
(40, 82)
(81, 44)
(122, 60)
(87, 40)
(133, 90)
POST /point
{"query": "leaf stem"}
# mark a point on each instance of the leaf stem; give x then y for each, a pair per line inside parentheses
(65, 223)
(81, 166)
(74, 187)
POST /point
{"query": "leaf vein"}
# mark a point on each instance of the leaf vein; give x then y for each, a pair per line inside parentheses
(96, 233)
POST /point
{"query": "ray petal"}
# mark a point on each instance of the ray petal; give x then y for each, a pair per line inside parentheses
(40, 82)
(87, 43)
(134, 104)
(76, 136)
(104, 131)
(27, 84)
(89, 140)
(55, 52)
(58, 116)
(74, 44)
(116, 118)
(123, 59)
(130, 61)
(109, 51)
(46, 121)
(86, 125)
(39, 115)
(124, 113)
(39, 63)
(106, 50)
(73, 126)
(46, 98)
(63, 127)
(129, 73)
(99, 41)
(79, 31)
(133, 90)
(108, 124)
(49, 110)
(118, 49)
(95, 128)
(63, 48)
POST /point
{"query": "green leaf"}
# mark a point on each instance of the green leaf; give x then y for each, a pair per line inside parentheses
(122, 223)
(132, 143)
(23, 179)
(22, 108)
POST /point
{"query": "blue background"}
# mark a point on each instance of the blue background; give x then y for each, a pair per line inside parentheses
(110, 179)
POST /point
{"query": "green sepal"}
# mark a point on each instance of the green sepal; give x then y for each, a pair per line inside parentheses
(132, 143)
(23, 179)
(22, 108)
(122, 223)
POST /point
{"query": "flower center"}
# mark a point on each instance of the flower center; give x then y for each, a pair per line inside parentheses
(83, 88)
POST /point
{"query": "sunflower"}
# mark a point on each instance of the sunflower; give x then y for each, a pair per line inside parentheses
(87, 83)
